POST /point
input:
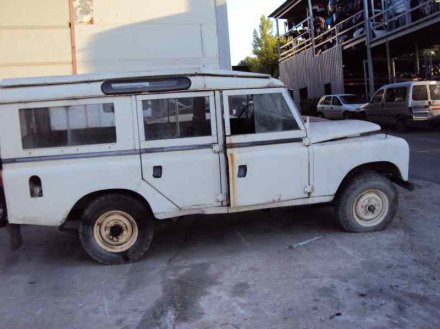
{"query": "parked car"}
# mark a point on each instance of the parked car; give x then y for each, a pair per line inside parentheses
(342, 106)
(117, 152)
(405, 104)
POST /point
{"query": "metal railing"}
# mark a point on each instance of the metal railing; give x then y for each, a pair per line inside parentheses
(383, 23)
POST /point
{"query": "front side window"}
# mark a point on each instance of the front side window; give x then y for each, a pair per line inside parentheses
(260, 113)
(395, 95)
(377, 98)
(328, 100)
(435, 92)
(176, 118)
(71, 125)
(420, 93)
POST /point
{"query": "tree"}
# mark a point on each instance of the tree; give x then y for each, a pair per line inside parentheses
(264, 48)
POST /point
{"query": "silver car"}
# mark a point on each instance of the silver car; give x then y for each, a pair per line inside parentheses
(342, 106)
(405, 104)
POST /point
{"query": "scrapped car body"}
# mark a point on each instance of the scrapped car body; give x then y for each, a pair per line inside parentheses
(341, 106)
(404, 104)
(116, 152)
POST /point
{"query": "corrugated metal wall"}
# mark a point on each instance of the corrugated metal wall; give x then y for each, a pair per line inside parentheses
(305, 70)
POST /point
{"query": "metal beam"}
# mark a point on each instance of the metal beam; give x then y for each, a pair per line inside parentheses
(73, 38)
(417, 58)
(387, 45)
(311, 25)
(368, 47)
(278, 38)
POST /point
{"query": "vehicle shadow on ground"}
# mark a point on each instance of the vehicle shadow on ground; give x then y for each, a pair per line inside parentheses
(226, 233)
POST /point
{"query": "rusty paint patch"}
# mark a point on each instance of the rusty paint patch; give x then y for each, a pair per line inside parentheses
(83, 11)
(232, 179)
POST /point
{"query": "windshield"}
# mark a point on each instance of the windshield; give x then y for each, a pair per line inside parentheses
(352, 99)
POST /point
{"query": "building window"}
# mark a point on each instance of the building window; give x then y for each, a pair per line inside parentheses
(260, 113)
(72, 125)
(328, 88)
(176, 118)
(303, 94)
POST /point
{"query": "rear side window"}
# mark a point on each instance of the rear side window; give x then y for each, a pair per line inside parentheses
(395, 95)
(336, 101)
(260, 113)
(67, 125)
(176, 118)
(435, 92)
(419, 93)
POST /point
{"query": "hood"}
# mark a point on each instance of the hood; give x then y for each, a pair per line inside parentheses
(328, 130)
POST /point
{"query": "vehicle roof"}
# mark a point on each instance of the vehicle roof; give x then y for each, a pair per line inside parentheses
(82, 78)
(410, 83)
(339, 95)
(89, 85)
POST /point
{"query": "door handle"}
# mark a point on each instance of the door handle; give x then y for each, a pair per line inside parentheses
(242, 171)
(157, 171)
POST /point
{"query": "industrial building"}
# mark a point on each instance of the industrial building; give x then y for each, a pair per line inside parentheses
(58, 37)
(356, 46)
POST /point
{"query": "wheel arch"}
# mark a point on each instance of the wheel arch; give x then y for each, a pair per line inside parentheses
(386, 168)
(79, 207)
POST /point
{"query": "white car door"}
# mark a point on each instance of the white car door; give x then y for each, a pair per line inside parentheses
(337, 109)
(267, 160)
(178, 142)
(326, 104)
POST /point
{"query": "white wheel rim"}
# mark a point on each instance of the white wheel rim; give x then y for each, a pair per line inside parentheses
(115, 231)
(371, 207)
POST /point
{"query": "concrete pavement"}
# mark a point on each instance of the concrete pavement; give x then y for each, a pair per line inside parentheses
(286, 268)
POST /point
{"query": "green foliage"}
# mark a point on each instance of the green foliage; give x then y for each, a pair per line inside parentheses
(265, 50)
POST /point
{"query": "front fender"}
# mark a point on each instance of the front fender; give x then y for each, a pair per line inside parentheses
(332, 161)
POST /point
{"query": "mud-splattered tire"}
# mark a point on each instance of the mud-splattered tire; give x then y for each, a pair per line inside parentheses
(368, 202)
(116, 229)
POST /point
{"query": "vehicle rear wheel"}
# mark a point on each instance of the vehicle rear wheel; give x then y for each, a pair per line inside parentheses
(401, 125)
(367, 203)
(116, 229)
(320, 115)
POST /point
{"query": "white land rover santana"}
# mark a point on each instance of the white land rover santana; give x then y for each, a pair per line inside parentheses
(118, 152)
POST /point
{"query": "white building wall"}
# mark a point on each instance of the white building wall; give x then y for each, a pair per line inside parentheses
(112, 35)
(34, 38)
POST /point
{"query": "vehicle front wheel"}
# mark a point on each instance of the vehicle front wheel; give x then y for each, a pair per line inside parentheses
(401, 125)
(3, 221)
(368, 202)
(116, 229)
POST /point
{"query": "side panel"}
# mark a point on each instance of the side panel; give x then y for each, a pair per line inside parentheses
(334, 160)
(68, 173)
(64, 182)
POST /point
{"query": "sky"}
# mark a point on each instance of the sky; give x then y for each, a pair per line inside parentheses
(244, 17)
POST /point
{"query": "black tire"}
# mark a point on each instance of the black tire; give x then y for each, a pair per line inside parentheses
(320, 115)
(346, 115)
(401, 125)
(359, 189)
(121, 204)
(362, 116)
(3, 221)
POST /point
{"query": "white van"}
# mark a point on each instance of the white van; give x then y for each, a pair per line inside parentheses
(117, 152)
